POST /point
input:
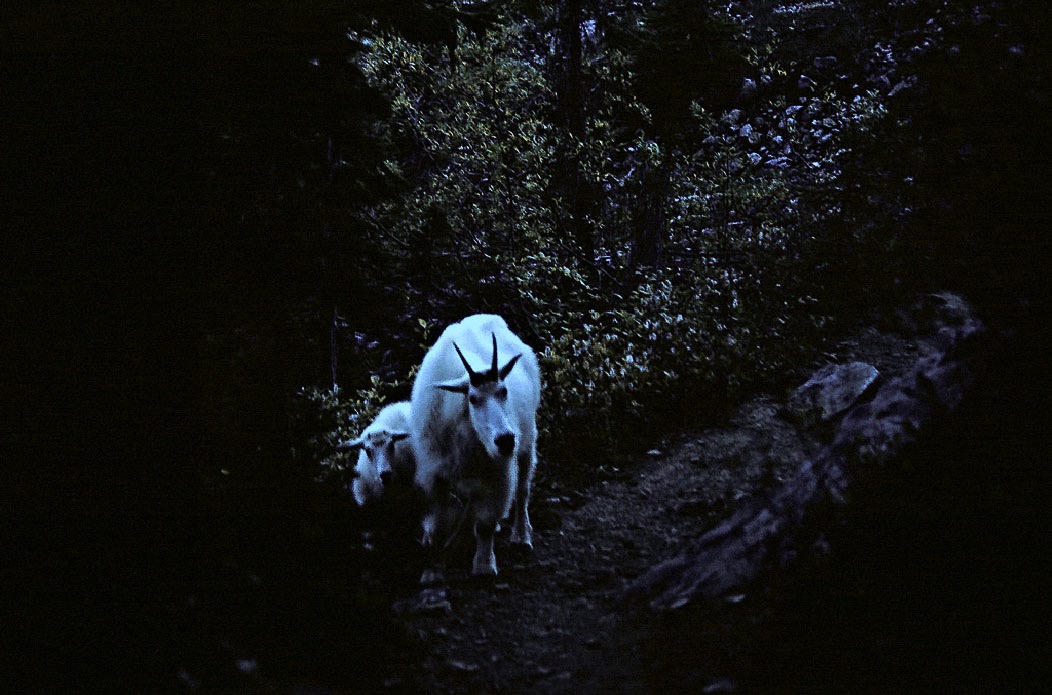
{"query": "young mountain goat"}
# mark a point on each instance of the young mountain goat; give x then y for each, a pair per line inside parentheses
(383, 455)
(474, 432)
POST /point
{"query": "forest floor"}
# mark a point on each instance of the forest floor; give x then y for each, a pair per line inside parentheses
(555, 621)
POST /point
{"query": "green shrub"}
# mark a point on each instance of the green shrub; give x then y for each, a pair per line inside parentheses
(479, 225)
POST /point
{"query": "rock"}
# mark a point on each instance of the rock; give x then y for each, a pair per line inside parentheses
(461, 666)
(825, 62)
(720, 685)
(805, 82)
(933, 313)
(430, 600)
(749, 90)
(830, 391)
(904, 86)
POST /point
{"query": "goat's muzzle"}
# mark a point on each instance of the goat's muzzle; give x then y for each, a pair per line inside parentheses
(505, 444)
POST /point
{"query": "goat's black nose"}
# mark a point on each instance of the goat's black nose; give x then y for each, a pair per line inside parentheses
(505, 443)
(386, 476)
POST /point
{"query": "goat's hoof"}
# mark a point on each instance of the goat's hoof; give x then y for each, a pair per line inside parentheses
(432, 577)
(523, 542)
(483, 579)
(484, 569)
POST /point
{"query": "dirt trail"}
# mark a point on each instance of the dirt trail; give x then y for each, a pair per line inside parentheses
(553, 622)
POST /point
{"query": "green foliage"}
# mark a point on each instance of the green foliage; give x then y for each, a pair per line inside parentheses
(604, 369)
(472, 144)
(673, 348)
(763, 184)
(758, 206)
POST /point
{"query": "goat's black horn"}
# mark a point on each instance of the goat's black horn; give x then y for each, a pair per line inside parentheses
(493, 367)
(471, 372)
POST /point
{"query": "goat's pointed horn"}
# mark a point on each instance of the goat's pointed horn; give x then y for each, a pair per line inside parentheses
(471, 372)
(493, 368)
(474, 377)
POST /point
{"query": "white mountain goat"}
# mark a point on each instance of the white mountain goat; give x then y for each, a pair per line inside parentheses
(474, 433)
(383, 454)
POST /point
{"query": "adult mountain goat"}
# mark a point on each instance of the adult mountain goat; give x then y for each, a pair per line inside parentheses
(383, 454)
(473, 425)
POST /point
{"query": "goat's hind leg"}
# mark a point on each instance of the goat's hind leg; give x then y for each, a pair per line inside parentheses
(485, 560)
(436, 524)
(434, 565)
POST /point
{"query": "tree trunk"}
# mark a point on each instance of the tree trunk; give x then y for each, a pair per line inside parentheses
(649, 222)
(772, 531)
(571, 104)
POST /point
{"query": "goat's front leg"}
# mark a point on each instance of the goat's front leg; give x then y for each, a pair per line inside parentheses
(521, 529)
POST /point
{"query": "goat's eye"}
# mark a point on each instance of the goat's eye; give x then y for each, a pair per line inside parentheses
(473, 399)
(502, 393)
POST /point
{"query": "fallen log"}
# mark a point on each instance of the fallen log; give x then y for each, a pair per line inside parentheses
(771, 531)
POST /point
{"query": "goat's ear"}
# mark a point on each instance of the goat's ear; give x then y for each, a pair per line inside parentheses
(398, 436)
(506, 369)
(347, 446)
(455, 386)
